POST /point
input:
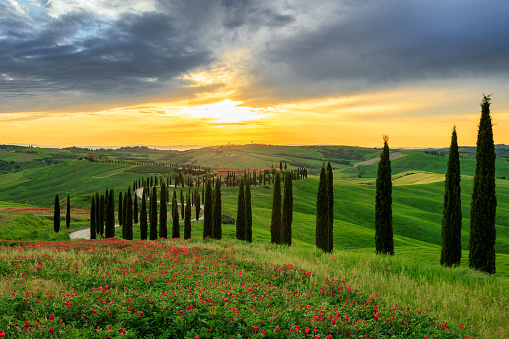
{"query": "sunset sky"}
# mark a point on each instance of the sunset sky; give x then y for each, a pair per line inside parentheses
(208, 72)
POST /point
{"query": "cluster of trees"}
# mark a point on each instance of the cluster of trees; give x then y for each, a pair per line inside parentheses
(282, 211)
(102, 215)
(483, 203)
(325, 210)
(266, 177)
(56, 214)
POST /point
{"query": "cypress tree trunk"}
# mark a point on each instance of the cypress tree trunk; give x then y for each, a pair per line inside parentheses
(143, 218)
(56, 215)
(484, 201)
(175, 216)
(217, 231)
(163, 212)
(135, 213)
(383, 204)
(275, 223)
(287, 216)
(249, 215)
(110, 215)
(187, 220)
(68, 213)
(207, 212)
(322, 214)
(153, 214)
(241, 213)
(330, 194)
(451, 215)
(92, 219)
(197, 204)
(120, 209)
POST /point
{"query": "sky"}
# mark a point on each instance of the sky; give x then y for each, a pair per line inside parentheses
(210, 72)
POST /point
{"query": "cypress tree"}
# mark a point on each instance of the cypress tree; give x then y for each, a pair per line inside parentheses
(56, 215)
(92, 219)
(241, 213)
(68, 213)
(451, 215)
(322, 214)
(217, 230)
(182, 211)
(207, 212)
(175, 215)
(110, 216)
(143, 218)
(249, 215)
(383, 205)
(129, 215)
(124, 217)
(97, 214)
(153, 214)
(135, 212)
(120, 211)
(163, 212)
(330, 195)
(275, 224)
(197, 204)
(484, 201)
(287, 216)
(187, 220)
(102, 211)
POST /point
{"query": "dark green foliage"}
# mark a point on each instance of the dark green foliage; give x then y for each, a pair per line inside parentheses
(102, 211)
(182, 205)
(207, 212)
(143, 218)
(128, 221)
(153, 214)
(109, 225)
(68, 213)
(92, 219)
(175, 216)
(249, 215)
(322, 214)
(98, 229)
(56, 215)
(287, 216)
(120, 209)
(451, 215)
(217, 231)
(124, 217)
(330, 195)
(135, 212)
(163, 212)
(484, 201)
(275, 223)
(383, 205)
(241, 213)
(187, 219)
(197, 204)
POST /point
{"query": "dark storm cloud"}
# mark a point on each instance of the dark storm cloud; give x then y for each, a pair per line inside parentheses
(81, 51)
(398, 40)
(248, 12)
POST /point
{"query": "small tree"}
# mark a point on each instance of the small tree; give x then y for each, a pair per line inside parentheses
(249, 215)
(287, 216)
(383, 204)
(175, 216)
(92, 219)
(56, 215)
(207, 212)
(153, 214)
(451, 215)
(241, 213)
(484, 201)
(187, 220)
(275, 224)
(143, 218)
(322, 214)
(68, 213)
(217, 231)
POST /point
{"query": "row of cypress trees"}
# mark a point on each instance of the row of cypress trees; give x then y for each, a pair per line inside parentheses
(102, 215)
(56, 214)
(282, 211)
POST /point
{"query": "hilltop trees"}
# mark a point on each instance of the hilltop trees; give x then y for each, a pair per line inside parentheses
(484, 202)
(322, 214)
(217, 231)
(275, 224)
(287, 215)
(240, 225)
(383, 203)
(56, 215)
(451, 215)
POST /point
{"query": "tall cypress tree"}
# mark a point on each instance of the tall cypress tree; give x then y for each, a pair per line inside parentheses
(383, 205)
(275, 223)
(322, 214)
(92, 219)
(330, 195)
(163, 212)
(217, 230)
(120, 209)
(143, 218)
(175, 215)
(56, 215)
(207, 212)
(98, 214)
(68, 213)
(287, 216)
(135, 212)
(197, 204)
(241, 213)
(484, 201)
(102, 211)
(451, 215)
(153, 214)
(182, 205)
(110, 216)
(124, 217)
(129, 215)
(187, 219)
(249, 215)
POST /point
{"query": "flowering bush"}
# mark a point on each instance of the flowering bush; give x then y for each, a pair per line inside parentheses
(116, 288)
